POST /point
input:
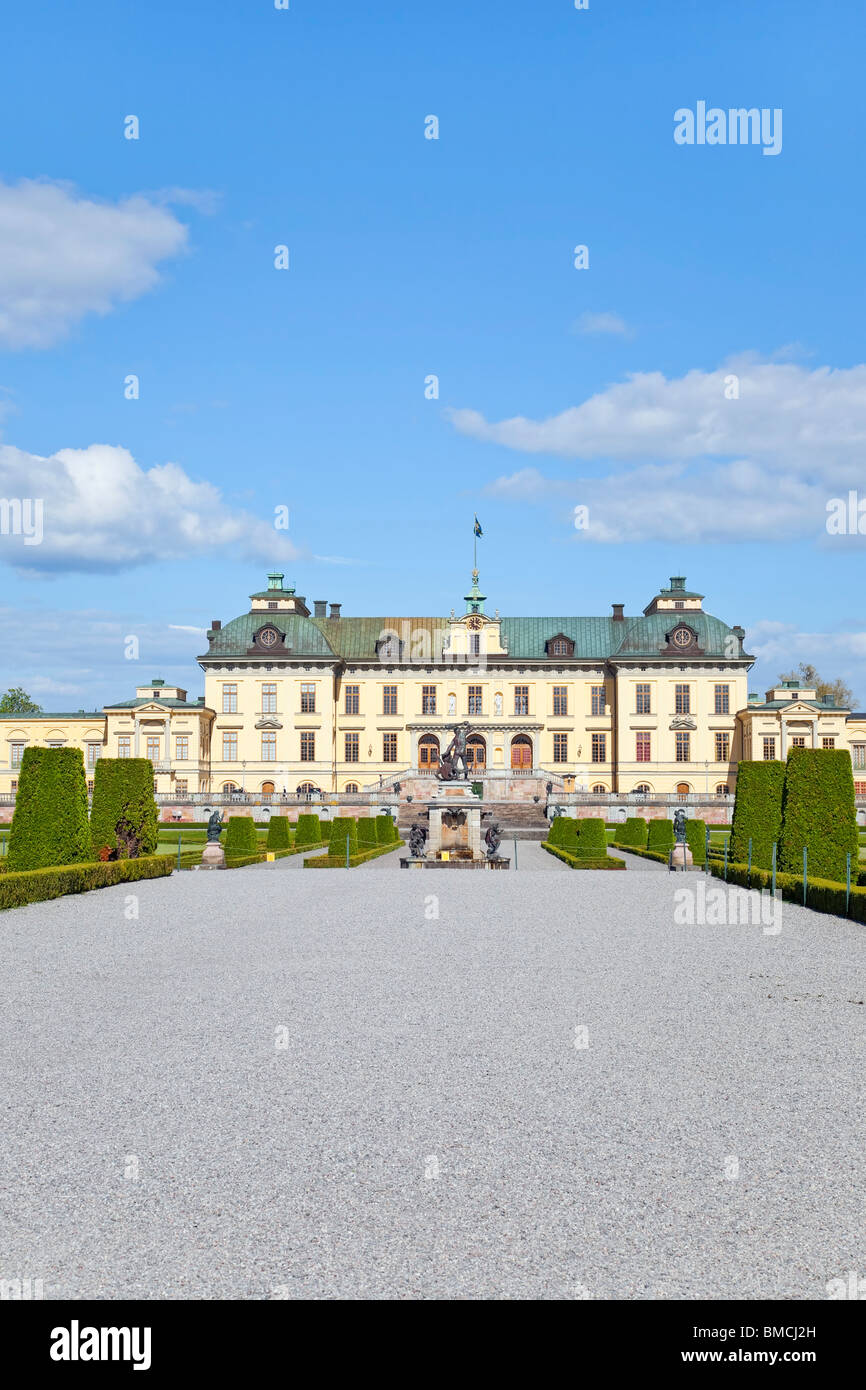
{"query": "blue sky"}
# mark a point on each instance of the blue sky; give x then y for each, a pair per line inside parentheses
(304, 388)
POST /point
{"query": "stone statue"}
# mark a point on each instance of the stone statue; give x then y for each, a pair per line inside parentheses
(455, 754)
(497, 703)
(452, 704)
(680, 825)
(417, 837)
(214, 826)
(492, 839)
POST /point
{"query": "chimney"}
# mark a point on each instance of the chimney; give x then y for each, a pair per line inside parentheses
(320, 608)
(216, 625)
(617, 613)
(335, 610)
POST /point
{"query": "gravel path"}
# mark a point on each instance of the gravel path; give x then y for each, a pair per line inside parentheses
(332, 1089)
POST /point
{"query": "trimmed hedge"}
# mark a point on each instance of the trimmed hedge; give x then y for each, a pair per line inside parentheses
(590, 831)
(240, 836)
(50, 825)
(574, 860)
(368, 835)
(343, 829)
(818, 813)
(278, 833)
(330, 861)
(660, 836)
(38, 885)
(308, 830)
(633, 832)
(123, 790)
(696, 839)
(386, 830)
(758, 812)
(660, 856)
(563, 831)
(821, 894)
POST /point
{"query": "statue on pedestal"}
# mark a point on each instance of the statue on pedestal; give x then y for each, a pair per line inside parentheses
(417, 837)
(492, 839)
(455, 754)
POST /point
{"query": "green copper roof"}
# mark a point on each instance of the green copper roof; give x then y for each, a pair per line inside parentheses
(154, 700)
(303, 637)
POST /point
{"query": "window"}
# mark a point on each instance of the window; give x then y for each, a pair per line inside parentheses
(308, 748)
(769, 749)
(389, 699)
(389, 748)
(859, 788)
(474, 705)
(230, 698)
(643, 746)
(560, 699)
(679, 604)
(559, 647)
(642, 789)
(153, 748)
(273, 604)
(14, 786)
(858, 756)
(475, 644)
(230, 748)
(600, 789)
(560, 748)
(828, 743)
(642, 700)
(428, 699)
(683, 745)
(389, 648)
(269, 748)
(351, 787)
(798, 741)
(352, 749)
(722, 789)
(181, 786)
(353, 700)
(308, 698)
(599, 748)
(181, 747)
(722, 699)
(17, 754)
(521, 699)
(682, 699)
(597, 696)
(94, 753)
(124, 746)
(90, 787)
(269, 698)
(723, 747)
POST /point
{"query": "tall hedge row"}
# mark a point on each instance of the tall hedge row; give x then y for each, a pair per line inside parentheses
(660, 835)
(123, 790)
(590, 832)
(308, 830)
(633, 832)
(50, 824)
(241, 837)
(696, 839)
(278, 833)
(758, 812)
(818, 813)
(563, 830)
(368, 836)
(343, 829)
(386, 830)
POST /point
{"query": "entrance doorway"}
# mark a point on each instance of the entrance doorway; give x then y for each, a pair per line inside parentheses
(476, 753)
(521, 754)
(428, 753)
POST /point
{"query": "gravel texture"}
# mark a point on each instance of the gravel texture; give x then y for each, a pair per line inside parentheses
(433, 1126)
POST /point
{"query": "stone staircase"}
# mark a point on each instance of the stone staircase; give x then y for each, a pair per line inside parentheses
(524, 819)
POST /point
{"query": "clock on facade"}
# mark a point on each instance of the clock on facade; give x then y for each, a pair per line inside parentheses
(269, 637)
(683, 637)
(475, 623)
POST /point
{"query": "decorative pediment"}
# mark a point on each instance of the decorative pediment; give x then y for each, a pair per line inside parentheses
(683, 721)
(268, 724)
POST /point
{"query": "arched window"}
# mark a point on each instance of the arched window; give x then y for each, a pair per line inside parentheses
(352, 787)
(722, 789)
(683, 789)
(230, 788)
(428, 753)
(308, 789)
(642, 789)
(267, 790)
(476, 753)
(600, 789)
(521, 753)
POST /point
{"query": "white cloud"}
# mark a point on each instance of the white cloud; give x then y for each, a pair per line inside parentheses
(603, 323)
(780, 646)
(103, 512)
(680, 459)
(63, 256)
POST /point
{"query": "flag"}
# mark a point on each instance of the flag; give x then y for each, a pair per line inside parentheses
(477, 528)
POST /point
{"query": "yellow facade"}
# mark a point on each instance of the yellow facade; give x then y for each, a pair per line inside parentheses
(657, 702)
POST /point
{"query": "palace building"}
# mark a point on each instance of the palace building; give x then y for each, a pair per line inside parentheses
(652, 703)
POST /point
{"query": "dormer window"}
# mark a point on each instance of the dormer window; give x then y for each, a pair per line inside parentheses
(560, 645)
(389, 647)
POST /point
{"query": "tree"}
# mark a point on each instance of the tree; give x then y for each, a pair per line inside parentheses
(808, 676)
(17, 701)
